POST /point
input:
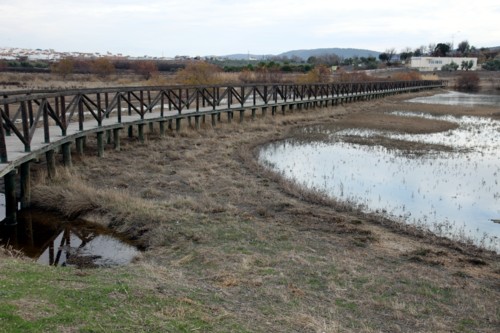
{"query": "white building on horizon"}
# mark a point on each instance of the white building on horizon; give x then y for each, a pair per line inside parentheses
(436, 63)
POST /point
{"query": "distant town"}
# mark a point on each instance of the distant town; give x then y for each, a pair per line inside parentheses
(12, 53)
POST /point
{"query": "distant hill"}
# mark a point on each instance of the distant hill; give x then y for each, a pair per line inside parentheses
(343, 53)
(242, 56)
(305, 54)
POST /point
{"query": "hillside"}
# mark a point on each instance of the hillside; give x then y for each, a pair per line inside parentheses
(305, 54)
(344, 53)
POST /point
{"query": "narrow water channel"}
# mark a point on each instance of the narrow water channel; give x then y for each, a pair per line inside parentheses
(453, 193)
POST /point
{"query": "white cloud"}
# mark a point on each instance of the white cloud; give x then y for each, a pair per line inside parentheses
(227, 26)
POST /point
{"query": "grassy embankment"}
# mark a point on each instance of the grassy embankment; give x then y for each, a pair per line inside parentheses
(232, 247)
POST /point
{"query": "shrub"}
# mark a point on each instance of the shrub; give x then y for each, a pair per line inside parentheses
(146, 69)
(63, 67)
(492, 65)
(319, 73)
(198, 72)
(467, 82)
(102, 67)
(450, 67)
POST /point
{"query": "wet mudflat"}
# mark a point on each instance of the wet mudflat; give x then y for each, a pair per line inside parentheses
(446, 182)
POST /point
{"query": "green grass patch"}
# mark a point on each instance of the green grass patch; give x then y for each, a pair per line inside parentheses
(39, 298)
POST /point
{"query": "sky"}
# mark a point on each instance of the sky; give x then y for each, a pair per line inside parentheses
(221, 27)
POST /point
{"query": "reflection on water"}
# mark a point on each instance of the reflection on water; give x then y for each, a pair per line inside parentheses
(49, 240)
(458, 98)
(455, 194)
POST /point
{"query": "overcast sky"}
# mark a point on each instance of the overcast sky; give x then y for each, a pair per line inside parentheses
(220, 27)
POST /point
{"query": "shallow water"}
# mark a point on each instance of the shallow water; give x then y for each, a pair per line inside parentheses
(458, 98)
(454, 194)
(51, 240)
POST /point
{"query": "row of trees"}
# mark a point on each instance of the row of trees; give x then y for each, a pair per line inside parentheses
(103, 67)
(463, 49)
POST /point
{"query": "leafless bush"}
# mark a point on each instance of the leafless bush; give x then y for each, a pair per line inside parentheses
(467, 81)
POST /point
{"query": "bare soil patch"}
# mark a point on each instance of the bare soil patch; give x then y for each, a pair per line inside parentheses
(230, 239)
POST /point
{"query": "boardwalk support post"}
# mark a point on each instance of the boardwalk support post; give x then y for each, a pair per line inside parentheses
(140, 130)
(25, 185)
(162, 128)
(79, 146)
(116, 139)
(197, 122)
(108, 136)
(51, 163)
(66, 152)
(10, 198)
(100, 144)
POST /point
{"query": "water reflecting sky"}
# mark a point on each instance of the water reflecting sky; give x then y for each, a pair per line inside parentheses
(455, 194)
(458, 98)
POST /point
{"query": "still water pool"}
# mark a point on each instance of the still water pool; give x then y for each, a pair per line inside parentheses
(453, 193)
(459, 98)
(52, 240)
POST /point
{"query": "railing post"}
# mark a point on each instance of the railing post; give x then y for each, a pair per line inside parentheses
(25, 125)
(99, 110)
(141, 97)
(162, 102)
(30, 113)
(7, 113)
(80, 113)
(3, 146)
(63, 116)
(106, 103)
(119, 107)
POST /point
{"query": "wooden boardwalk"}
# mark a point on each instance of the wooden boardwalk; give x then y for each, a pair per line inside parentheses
(36, 123)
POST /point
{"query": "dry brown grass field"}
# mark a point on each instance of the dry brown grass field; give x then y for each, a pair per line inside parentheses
(242, 250)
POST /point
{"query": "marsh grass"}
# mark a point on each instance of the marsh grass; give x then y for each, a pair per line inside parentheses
(233, 247)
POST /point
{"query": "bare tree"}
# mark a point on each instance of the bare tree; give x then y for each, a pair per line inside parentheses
(464, 47)
(387, 56)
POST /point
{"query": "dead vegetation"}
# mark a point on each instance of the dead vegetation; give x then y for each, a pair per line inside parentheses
(231, 239)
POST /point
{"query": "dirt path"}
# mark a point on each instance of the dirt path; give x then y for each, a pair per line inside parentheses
(256, 250)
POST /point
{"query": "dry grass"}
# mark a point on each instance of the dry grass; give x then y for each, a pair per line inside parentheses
(230, 239)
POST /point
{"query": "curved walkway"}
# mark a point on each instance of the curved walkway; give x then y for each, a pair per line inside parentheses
(41, 122)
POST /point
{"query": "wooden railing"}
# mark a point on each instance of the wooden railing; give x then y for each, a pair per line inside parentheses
(43, 122)
(26, 113)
